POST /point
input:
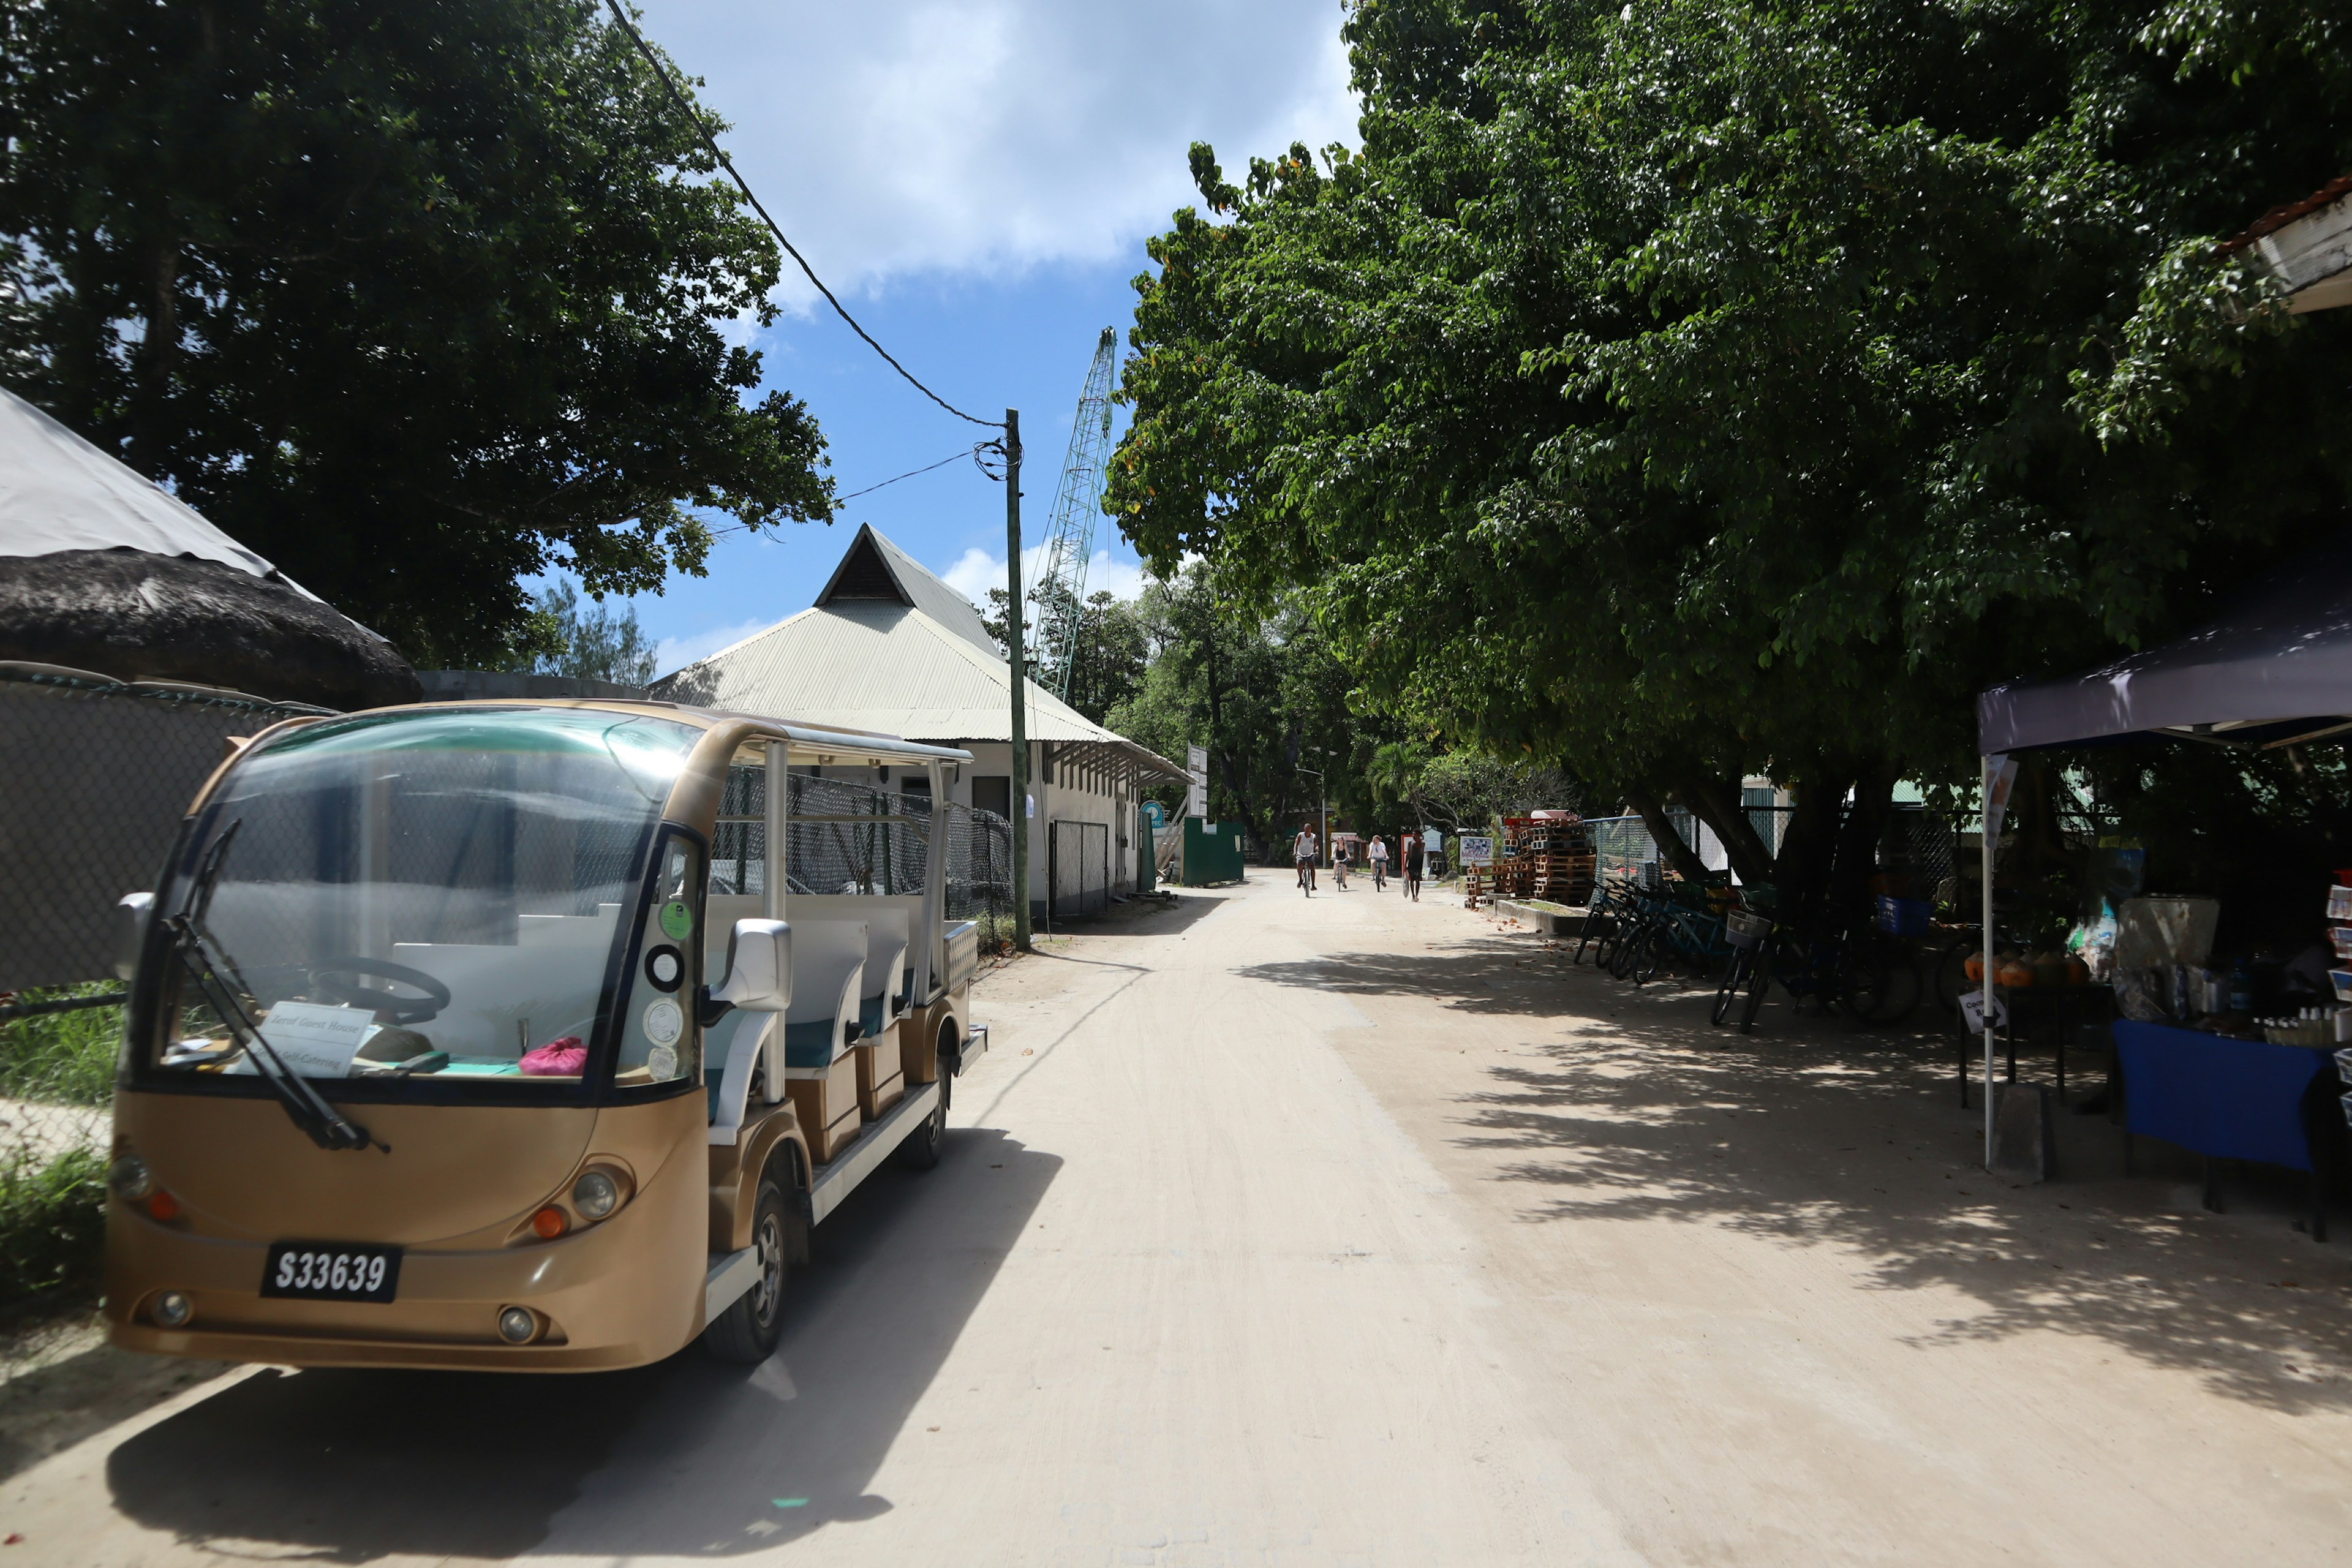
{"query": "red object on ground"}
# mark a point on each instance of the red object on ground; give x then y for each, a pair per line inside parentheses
(566, 1058)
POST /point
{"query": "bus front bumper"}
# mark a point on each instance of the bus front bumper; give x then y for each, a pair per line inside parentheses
(607, 1296)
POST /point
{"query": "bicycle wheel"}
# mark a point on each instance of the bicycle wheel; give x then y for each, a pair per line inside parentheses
(1877, 987)
(1626, 949)
(1653, 954)
(1735, 975)
(1759, 980)
(1596, 909)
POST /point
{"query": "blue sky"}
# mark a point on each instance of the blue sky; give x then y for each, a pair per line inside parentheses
(976, 179)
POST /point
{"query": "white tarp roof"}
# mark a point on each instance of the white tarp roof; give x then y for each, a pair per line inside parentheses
(59, 492)
(2274, 666)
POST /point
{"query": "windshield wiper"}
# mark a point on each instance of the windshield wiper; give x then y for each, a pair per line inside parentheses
(217, 981)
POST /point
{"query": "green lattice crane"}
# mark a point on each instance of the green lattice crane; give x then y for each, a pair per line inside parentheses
(1060, 594)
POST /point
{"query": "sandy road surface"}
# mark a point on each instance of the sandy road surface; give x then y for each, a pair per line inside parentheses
(1349, 1232)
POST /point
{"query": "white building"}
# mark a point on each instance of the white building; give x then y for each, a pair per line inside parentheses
(887, 646)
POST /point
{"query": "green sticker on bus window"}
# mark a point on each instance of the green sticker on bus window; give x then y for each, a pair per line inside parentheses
(676, 921)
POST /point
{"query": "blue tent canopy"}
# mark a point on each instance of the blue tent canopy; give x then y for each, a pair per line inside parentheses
(2272, 668)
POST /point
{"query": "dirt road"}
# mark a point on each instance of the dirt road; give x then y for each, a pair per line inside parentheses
(1343, 1231)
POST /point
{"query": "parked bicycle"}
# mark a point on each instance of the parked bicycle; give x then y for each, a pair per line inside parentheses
(1868, 975)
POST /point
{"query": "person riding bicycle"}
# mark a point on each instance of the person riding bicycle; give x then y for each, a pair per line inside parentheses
(1379, 859)
(1303, 851)
(1339, 863)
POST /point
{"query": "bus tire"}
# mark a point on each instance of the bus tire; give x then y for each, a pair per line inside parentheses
(746, 1333)
(921, 1150)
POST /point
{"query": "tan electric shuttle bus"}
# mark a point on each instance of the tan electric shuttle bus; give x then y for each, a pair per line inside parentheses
(527, 1035)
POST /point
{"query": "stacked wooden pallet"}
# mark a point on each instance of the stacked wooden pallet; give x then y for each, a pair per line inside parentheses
(1557, 857)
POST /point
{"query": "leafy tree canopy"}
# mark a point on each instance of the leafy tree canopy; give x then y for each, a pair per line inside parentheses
(1701, 386)
(413, 299)
(1265, 694)
(591, 643)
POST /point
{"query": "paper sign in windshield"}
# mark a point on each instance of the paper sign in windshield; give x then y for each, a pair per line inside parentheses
(316, 1040)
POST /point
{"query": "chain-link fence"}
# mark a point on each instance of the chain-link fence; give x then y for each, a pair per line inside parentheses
(842, 837)
(95, 776)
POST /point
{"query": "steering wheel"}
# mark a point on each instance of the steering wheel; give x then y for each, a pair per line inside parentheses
(401, 1010)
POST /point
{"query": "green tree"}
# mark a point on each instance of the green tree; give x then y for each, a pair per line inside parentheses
(1265, 695)
(1113, 644)
(1701, 387)
(592, 644)
(416, 300)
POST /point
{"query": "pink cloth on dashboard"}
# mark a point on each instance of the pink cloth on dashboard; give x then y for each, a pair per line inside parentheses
(566, 1058)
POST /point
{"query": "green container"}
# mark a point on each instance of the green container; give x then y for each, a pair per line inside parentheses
(1213, 852)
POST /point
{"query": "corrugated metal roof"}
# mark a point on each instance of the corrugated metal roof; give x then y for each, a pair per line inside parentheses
(921, 665)
(874, 568)
(869, 663)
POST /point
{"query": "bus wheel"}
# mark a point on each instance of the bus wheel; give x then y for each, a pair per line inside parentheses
(747, 1331)
(920, 1148)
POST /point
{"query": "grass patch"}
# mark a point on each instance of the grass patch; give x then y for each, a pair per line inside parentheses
(53, 1198)
(52, 1231)
(62, 1059)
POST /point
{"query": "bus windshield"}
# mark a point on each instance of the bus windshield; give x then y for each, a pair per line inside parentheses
(432, 896)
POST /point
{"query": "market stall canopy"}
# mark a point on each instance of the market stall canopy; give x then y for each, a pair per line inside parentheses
(102, 570)
(2274, 668)
(2306, 246)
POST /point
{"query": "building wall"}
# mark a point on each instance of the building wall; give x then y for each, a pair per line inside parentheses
(1051, 802)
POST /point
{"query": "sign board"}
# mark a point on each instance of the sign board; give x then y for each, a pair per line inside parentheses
(1972, 1009)
(1196, 772)
(1431, 840)
(1475, 849)
(1154, 815)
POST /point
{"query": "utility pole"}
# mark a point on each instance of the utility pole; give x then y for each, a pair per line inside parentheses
(1014, 633)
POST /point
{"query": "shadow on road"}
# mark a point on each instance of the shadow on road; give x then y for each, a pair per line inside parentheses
(1143, 917)
(1625, 1104)
(684, 1458)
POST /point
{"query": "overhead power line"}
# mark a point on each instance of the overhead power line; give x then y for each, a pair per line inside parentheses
(679, 97)
(979, 454)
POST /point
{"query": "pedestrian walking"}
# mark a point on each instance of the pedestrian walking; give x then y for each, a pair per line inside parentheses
(1415, 852)
(1303, 851)
(1380, 855)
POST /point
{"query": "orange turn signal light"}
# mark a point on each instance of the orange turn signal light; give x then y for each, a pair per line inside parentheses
(161, 1205)
(549, 1223)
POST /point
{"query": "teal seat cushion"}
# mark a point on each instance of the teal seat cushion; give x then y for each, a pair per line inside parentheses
(871, 1017)
(815, 1044)
(711, 1079)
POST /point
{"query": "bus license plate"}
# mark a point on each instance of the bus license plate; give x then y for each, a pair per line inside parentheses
(331, 1272)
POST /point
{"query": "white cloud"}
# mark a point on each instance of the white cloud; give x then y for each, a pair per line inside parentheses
(976, 572)
(896, 137)
(675, 654)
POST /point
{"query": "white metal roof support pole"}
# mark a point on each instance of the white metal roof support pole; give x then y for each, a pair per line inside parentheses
(778, 845)
(1014, 634)
(1985, 984)
(935, 884)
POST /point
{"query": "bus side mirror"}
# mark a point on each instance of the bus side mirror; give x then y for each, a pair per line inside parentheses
(758, 967)
(131, 913)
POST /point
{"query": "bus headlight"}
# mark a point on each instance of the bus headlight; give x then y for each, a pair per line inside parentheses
(172, 1309)
(131, 1177)
(518, 1325)
(595, 1195)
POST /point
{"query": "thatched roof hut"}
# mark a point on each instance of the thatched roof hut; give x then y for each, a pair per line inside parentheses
(102, 570)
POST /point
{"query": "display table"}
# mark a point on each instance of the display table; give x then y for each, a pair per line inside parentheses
(2231, 1099)
(2047, 1015)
